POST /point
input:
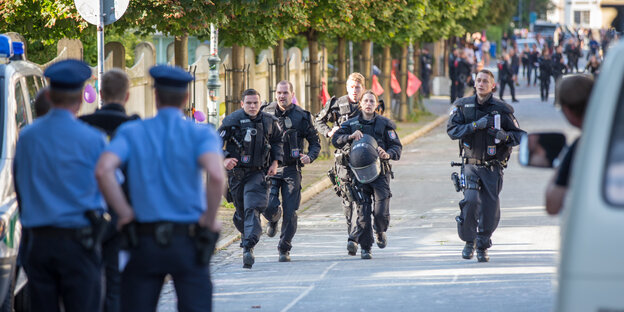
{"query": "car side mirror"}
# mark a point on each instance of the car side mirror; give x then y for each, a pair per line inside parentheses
(541, 149)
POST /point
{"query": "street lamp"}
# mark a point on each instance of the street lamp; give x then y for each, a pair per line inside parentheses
(212, 106)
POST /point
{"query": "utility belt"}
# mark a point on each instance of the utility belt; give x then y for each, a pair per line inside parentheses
(240, 172)
(89, 237)
(484, 163)
(163, 232)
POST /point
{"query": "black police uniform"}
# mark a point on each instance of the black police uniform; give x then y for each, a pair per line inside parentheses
(108, 119)
(505, 77)
(337, 111)
(383, 130)
(296, 124)
(452, 66)
(484, 160)
(425, 72)
(546, 70)
(463, 71)
(256, 143)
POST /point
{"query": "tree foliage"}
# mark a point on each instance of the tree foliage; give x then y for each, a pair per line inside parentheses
(443, 17)
(397, 21)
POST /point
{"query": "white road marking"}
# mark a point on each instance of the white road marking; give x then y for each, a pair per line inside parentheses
(309, 289)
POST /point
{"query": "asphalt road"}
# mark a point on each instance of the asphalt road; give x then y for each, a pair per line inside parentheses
(421, 269)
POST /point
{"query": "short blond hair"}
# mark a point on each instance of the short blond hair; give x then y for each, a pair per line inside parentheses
(115, 85)
(357, 77)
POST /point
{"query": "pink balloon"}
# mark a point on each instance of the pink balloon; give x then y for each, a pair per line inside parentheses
(89, 94)
(199, 116)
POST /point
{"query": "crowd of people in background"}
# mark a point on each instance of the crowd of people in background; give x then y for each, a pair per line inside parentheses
(540, 58)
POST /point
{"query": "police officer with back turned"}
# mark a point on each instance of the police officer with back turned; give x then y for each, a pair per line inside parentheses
(253, 151)
(170, 225)
(372, 180)
(337, 111)
(487, 130)
(61, 208)
(296, 124)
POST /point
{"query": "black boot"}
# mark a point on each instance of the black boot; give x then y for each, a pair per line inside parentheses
(271, 229)
(366, 254)
(382, 240)
(284, 256)
(482, 255)
(468, 251)
(248, 257)
(352, 248)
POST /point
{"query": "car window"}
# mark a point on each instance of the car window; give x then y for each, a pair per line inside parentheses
(613, 186)
(21, 119)
(33, 86)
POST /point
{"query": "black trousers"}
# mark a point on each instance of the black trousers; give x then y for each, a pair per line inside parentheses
(377, 203)
(480, 209)
(532, 69)
(149, 263)
(250, 193)
(425, 85)
(512, 89)
(288, 181)
(544, 86)
(110, 255)
(60, 268)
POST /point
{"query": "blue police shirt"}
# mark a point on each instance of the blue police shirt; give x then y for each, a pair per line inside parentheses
(165, 180)
(54, 166)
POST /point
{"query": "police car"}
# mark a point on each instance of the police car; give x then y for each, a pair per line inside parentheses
(20, 81)
(591, 265)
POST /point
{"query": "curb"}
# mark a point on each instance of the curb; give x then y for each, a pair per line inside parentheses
(323, 184)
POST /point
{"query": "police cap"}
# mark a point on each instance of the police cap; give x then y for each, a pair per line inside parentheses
(68, 75)
(170, 78)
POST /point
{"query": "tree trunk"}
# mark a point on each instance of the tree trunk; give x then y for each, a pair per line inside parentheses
(365, 67)
(340, 87)
(447, 47)
(386, 69)
(238, 77)
(278, 55)
(180, 50)
(315, 77)
(403, 81)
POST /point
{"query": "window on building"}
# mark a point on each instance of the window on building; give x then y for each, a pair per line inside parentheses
(581, 17)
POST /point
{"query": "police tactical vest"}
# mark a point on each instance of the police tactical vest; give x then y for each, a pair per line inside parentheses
(343, 110)
(374, 128)
(248, 140)
(481, 145)
(293, 123)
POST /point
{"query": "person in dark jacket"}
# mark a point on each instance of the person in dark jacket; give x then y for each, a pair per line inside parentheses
(505, 77)
(485, 148)
(115, 92)
(296, 124)
(546, 70)
(375, 189)
(533, 56)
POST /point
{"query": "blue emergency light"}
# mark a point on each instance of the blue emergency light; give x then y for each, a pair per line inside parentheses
(18, 48)
(6, 46)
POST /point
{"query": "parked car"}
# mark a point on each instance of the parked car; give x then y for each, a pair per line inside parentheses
(20, 81)
(590, 269)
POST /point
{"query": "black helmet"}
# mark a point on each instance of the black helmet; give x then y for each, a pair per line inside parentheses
(364, 159)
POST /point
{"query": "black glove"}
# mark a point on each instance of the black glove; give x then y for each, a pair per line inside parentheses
(484, 122)
(499, 134)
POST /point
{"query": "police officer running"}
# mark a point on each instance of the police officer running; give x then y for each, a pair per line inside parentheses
(170, 225)
(253, 150)
(61, 208)
(337, 111)
(372, 137)
(485, 147)
(296, 124)
(114, 92)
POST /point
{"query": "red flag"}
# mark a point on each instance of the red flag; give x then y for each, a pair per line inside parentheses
(413, 84)
(377, 88)
(324, 94)
(394, 83)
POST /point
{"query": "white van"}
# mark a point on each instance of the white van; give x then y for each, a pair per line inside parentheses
(591, 266)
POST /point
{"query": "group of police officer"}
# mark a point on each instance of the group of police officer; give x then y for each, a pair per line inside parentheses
(151, 175)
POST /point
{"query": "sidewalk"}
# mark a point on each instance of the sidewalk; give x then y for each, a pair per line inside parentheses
(314, 176)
